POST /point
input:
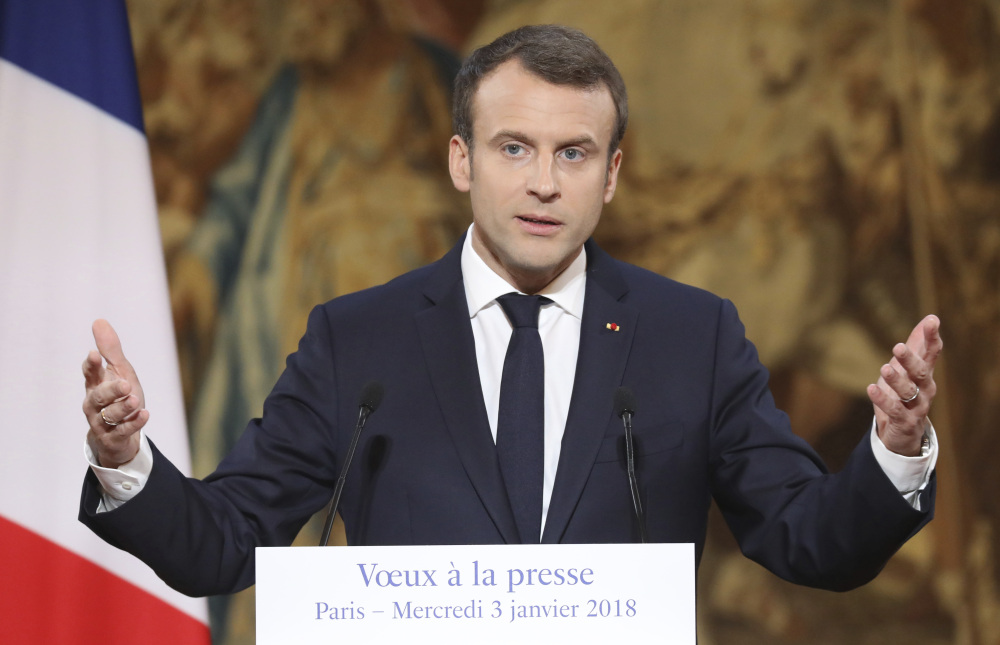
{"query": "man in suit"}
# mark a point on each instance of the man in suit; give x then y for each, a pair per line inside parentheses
(538, 115)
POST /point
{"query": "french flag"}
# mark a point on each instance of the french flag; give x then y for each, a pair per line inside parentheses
(78, 240)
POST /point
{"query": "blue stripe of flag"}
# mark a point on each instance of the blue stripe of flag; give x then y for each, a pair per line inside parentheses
(82, 46)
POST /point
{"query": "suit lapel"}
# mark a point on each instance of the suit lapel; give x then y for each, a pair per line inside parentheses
(599, 370)
(450, 354)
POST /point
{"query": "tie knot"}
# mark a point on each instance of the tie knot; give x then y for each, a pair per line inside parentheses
(522, 310)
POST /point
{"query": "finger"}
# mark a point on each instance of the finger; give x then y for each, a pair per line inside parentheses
(933, 344)
(117, 420)
(915, 369)
(93, 369)
(899, 383)
(107, 394)
(117, 445)
(120, 411)
(134, 424)
(881, 400)
(893, 411)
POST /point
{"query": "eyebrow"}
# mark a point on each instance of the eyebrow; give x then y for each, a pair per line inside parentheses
(585, 141)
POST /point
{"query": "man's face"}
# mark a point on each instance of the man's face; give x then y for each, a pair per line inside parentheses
(541, 172)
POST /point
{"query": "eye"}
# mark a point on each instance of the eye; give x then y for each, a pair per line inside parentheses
(513, 149)
(573, 154)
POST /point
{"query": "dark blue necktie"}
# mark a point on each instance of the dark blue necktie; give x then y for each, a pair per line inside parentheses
(521, 417)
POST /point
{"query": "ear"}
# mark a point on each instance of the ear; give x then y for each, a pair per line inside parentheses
(612, 180)
(460, 164)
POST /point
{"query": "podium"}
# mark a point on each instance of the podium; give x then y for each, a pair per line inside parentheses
(580, 593)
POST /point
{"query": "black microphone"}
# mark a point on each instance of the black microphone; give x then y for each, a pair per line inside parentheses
(625, 407)
(369, 401)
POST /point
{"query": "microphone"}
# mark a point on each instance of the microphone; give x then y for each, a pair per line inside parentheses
(371, 397)
(625, 408)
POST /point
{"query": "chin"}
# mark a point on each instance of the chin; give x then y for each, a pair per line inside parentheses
(533, 262)
(536, 269)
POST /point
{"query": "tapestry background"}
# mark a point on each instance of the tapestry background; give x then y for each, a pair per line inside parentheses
(832, 166)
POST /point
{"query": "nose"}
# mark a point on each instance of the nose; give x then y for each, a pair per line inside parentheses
(542, 181)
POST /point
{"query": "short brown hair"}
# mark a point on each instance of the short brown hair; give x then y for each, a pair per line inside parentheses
(560, 55)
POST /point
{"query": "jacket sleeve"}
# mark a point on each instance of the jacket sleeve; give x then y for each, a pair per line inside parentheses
(200, 536)
(811, 527)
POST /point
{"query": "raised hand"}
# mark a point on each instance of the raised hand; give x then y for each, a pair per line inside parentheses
(114, 404)
(905, 389)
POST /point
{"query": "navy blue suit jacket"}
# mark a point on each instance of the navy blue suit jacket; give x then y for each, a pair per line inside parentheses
(426, 470)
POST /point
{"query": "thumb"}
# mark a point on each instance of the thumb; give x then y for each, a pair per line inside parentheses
(108, 343)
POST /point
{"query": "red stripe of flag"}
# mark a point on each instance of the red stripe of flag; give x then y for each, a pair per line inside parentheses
(49, 595)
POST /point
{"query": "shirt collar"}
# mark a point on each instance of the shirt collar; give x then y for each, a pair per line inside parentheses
(483, 285)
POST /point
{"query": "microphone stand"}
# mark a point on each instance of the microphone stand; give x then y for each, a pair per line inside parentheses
(370, 399)
(625, 404)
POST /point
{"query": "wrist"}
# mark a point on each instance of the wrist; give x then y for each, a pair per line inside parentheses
(111, 459)
(913, 446)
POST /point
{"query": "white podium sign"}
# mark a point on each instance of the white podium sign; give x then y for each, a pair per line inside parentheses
(580, 593)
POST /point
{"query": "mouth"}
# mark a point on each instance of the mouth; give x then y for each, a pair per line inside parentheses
(538, 223)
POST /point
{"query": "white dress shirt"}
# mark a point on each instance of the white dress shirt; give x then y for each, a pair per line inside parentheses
(559, 328)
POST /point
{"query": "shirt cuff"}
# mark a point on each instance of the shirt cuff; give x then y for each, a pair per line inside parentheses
(910, 475)
(125, 482)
